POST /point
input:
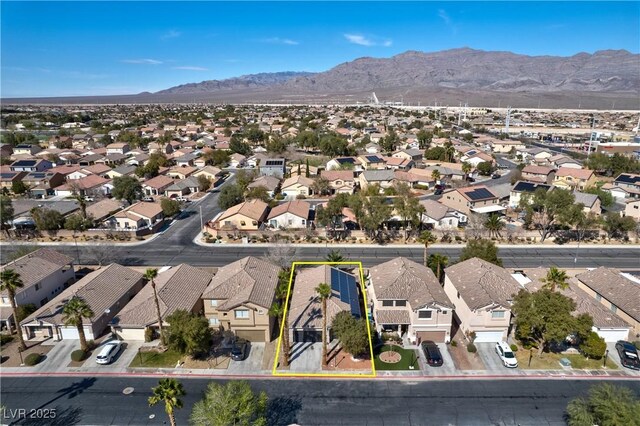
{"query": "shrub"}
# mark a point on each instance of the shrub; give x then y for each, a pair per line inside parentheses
(5, 338)
(472, 348)
(33, 359)
(637, 344)
(149, 334)
(514, 348)
(78, 355)
(593, 346)
(454, 343)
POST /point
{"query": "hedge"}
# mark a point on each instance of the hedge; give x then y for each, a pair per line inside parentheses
(78, 355)
(33, 359)
(472, 348)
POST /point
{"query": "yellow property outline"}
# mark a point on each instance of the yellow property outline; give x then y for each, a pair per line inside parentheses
(275, 372)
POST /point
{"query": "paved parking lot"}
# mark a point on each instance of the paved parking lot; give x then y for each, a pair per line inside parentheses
(492, 361)
(252, 364)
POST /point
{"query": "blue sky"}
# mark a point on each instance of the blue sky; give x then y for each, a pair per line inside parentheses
(96, 48)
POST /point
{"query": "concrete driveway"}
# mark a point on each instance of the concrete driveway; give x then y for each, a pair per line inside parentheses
(614, 357)
(447, 368)
(252, 364)
(59, 357)
(492, 361)
(306, 357)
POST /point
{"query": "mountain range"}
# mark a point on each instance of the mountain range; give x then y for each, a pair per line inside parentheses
(602, 80)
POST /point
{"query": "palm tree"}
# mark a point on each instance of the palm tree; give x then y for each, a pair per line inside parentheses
(449, 151)
(556, 278)
(82, 202)
(277, 311)
(435, 175)
(426, 238)
(168, 391)
(494, 225)
(11, 282)
(150, 275)
(437, 262)
(335, 256)
(324, 292)
(466, 169)
(74, 311)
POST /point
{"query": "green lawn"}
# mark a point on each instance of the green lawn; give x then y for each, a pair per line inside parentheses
(551, 361)
(409, 357)
(167, 359)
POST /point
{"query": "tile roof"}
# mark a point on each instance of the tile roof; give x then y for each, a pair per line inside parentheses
(482, 284)
(268, 182)
(248, 280)
(378, 175)
(180, 287)
(404, 279)
(158, 182)
(254, 209)
(331, 175)
(297, 207)
(101, 289)
(434, 209)
(583, 174)
(611, 285)
(305, 310)
(392, 316)
(537, 170)
(587, 199)
(300, 180)
(36, 266)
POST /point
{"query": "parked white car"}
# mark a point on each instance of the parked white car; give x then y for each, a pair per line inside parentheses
(506, 355)
(109, 352)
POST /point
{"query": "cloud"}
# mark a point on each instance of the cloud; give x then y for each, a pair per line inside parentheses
(190, 68)
(170, 34)
(142, 61)
(447, 20)
(278, 40)
(368, 41)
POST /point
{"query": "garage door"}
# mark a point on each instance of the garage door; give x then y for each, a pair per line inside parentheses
(251, 335)
(436, 336)
(489, 336)
(613, 335)
(308, 336)
(70, 333)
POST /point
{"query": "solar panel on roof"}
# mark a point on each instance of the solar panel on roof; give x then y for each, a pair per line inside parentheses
(273, 163)
(628, 179)
(37, 175)
(23, 163)
(7, 175)
(479, 194)
(345, 285)
(372, 158)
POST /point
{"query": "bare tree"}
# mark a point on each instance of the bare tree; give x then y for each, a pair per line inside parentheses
(282, 253)
(475, 226)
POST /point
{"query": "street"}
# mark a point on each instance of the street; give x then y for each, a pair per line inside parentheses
(100, 401)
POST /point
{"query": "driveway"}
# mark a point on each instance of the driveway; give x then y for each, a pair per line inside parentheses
(614, 357)
(252, 364)
(306, 358)
(492, 361)
(59, 357)
(447, 368)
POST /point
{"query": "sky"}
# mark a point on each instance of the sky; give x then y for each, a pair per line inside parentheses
(107, 48)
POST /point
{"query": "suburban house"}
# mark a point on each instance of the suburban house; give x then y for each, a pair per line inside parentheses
(30, 165)
(632, 209)
(591, 202)
(157, 185)
(570, 178)
(8, 178)
(178, 288)
(562, 160)
(341, 181)
(141, 215)
(26, 149)
(91, 185)
(409, 154)
(342, 163)
(476, 199)
(482, 294)
(181, 172)
(237, 160)
(182, 187)
(305, 310)
(246, 216)
(407, 298)
(439, 216)
(296, 186)
(372, 162)
(118, 148)
(290, 215)
(269, 183)
(124, 170)
(239, 297)
(384, 178)
(42, 184)
(44, 273)
(626, 185)
(273, 167)
(618, 292)
(608, 326)
(106, 290)
(523, 187)
(506, 146)
(539, 174)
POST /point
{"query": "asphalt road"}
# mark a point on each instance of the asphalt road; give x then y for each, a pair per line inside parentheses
(100, 401)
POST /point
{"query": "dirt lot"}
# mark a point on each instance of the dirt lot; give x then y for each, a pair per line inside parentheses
(340, 360)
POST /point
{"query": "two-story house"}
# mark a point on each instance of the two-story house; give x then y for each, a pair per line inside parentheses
(44, 274)
(30, 165)
(482, 294)
(524, 188)
(340, 181)
(539, 174)
(273, 167)
(406, 298)
(570, 178)
(239, 296)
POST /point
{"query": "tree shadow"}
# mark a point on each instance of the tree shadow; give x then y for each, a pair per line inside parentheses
(63, 417)
(75, 389)
(283, 411)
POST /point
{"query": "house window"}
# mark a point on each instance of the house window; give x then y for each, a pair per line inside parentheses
(424, 314)
(213, 321)
(497, 314)
(38, 286)
(242, 223)
(304, 222)
(242, 314)
(401, 303)
(227, 223)
(387, 303)
(214, 302)
(444, 312)
(614, 308)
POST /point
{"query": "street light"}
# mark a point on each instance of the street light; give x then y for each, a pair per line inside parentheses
(20, 353)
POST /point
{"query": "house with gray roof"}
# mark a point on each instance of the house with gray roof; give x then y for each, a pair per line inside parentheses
(239, 296)
(178, 288)
(406, 297)
(106, 290)
(591, 202)
(482, 294)
(44, 273)
(384, 178)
